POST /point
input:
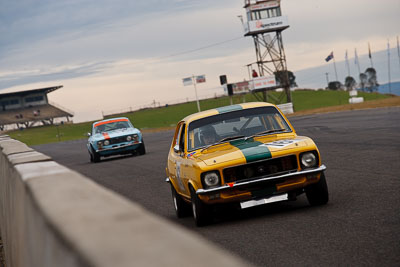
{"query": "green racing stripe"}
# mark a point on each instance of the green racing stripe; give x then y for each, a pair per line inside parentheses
(252, 150)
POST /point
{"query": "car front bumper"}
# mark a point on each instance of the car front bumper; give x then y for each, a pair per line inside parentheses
(243, 184)
(118, 148)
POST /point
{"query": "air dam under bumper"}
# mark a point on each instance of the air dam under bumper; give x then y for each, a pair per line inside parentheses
(117, 147)
(262, 179)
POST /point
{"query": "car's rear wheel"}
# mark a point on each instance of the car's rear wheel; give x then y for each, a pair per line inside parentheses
(182, 209)
(201, 212)
(317, 194)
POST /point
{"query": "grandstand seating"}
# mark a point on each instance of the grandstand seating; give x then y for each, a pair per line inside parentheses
(28, 116)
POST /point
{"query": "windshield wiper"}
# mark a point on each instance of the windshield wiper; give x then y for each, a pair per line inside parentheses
(266, 132)
(229, 138)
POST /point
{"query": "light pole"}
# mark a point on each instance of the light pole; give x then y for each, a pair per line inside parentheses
(327, 79)
(195, 90)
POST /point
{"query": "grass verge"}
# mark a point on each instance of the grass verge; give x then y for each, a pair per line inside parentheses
(305, 102)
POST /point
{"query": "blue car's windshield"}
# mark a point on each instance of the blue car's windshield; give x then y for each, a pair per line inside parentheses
(110, 126)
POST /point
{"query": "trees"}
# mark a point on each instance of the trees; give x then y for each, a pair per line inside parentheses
(349, 83)
(368, 80)
(372, 83)
(280, 77)
(336, 85)
(363, 81)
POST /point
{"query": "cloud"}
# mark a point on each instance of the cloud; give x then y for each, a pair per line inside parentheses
(8, 80)
(168, 33)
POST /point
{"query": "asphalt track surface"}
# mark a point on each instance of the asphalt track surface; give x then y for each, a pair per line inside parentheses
(360, 226)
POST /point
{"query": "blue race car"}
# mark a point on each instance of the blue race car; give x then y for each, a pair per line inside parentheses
(114, 136)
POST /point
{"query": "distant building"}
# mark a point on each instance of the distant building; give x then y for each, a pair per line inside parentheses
(30, 107)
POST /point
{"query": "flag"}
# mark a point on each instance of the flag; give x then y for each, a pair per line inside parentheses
(329, 57)
(369, 51)
(187, 81)
(201, 79)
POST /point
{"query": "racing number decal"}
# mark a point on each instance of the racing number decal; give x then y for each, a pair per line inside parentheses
(178, 176)
(281, 143)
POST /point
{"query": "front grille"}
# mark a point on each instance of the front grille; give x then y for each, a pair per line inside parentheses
(117, 140)
(260, 169)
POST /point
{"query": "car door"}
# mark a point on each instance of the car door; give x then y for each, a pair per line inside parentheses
(176, 157)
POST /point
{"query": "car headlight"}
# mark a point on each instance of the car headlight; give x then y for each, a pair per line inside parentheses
(128, 138)
(211, 179)
(136, 137)
(106, 142)
(99, 143)
(308, 160)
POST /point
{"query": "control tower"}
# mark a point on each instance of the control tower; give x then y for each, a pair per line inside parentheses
(265, 24)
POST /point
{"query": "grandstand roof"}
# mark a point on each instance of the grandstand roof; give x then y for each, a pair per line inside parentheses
(30, 91)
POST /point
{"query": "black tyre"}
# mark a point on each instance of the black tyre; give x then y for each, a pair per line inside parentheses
(94, 157)
(201, 213)
(317, 194)
(142, 148)
(182, 209)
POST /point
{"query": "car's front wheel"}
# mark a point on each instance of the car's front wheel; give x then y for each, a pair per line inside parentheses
(317, 194)
(182, 209)
(94, 157)
(201, 212)
(142, 148)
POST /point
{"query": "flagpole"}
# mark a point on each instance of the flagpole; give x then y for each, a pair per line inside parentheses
(388, 48)
(195, 90)
(357, 62)
(347, 63)
(398, 49)
(334, 64)
(370, 56)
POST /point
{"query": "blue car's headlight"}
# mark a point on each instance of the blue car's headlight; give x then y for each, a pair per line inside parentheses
(106, 142)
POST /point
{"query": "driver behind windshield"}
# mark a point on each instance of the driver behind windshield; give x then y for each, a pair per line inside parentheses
(100, 129)
(208, 135)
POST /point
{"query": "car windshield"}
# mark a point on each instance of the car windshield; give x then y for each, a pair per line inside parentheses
(238, 124)
(110, 126)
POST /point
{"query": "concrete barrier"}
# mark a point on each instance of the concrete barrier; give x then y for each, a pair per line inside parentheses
(52, 216)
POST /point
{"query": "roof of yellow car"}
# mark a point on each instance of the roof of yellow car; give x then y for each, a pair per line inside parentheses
(215, 111)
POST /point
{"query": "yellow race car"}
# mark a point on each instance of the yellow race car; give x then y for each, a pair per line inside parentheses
(246, 154)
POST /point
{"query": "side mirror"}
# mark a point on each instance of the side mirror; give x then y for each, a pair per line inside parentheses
(176, 148)
(88, 134)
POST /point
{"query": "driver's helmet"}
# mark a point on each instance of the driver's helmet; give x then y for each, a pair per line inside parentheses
(121, 125)
(208, 135)
(100, 129)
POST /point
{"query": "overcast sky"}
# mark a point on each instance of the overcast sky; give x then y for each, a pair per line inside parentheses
(117, 54)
